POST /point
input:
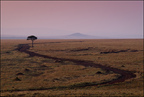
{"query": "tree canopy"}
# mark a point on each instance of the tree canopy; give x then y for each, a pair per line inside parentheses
(32, 38)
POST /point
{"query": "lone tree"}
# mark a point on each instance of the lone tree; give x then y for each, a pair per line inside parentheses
(32, 38)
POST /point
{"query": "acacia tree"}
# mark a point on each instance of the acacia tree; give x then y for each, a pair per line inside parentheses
(32, 38)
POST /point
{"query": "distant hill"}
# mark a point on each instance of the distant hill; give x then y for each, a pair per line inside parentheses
(74, 36)
(71, 36)
(81, 36)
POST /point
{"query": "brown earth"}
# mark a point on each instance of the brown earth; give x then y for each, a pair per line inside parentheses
(125, 75)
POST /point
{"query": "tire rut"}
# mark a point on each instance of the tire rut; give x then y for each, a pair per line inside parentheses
(124, 75)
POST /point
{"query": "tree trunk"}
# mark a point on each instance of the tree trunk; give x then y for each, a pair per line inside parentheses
(32, 43)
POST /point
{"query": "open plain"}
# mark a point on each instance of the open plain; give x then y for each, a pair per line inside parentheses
(78, 67)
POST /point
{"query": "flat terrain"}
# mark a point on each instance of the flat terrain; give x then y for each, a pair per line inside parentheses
(112, 67)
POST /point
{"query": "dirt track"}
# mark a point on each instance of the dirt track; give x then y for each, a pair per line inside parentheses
(125, 75)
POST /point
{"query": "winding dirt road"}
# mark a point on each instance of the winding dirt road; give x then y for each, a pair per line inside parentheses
(125, 75)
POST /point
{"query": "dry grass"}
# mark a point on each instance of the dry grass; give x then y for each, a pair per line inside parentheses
(76, 49)
(36, 72)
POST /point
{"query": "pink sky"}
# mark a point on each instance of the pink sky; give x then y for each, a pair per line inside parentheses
(49, 18)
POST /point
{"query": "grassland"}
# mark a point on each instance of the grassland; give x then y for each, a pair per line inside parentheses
(21, 73)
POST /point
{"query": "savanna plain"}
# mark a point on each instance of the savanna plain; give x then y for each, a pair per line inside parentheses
(26, 75)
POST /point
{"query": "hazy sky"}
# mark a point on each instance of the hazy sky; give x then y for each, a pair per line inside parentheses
(48, 18)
